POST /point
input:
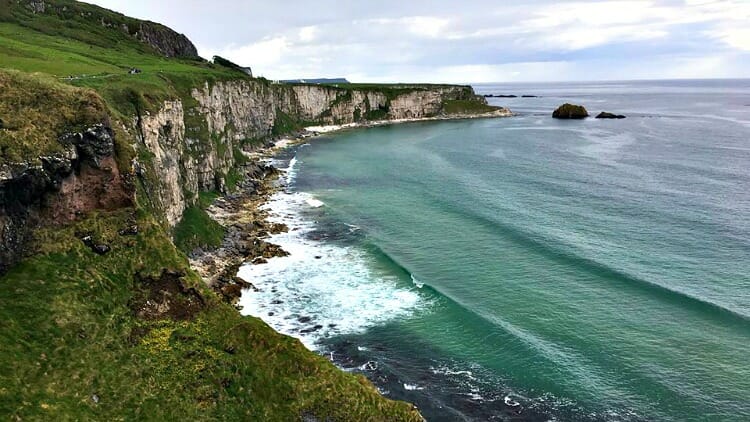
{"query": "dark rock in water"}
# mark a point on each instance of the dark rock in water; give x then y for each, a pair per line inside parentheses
(500, 96)
(607, 115)
(304, 319)
(570, 111)
(529, 96)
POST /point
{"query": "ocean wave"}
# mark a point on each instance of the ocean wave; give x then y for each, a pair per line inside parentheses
(567, 255)
(322, 289)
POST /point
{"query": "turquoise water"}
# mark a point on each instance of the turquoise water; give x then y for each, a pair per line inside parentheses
(533, 269)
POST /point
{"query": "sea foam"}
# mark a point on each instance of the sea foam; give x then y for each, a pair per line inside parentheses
(321, 289)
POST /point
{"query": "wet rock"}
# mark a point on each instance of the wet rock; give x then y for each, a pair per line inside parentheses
(608, 115)
(259, 261)
(570, 111)
(304, 319)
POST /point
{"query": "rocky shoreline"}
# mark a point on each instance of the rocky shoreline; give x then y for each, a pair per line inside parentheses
(245, 220)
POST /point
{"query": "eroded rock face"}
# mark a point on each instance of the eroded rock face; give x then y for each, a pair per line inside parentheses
(185, 162)
(166, 41)
(163, 134)
(570, 111)
(59, 188)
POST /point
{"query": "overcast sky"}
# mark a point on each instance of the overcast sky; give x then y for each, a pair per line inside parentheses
(467, 41)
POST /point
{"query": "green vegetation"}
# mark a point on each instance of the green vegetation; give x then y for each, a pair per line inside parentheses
(285, 124)
(205, 199)
(467, 107)
(29, 129)
(197, 230)
(102, 67)
(72, 346)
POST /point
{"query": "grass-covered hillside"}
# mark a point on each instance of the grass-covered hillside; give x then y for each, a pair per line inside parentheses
(127, 331)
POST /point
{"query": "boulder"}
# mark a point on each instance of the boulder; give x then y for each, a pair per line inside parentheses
(608, 115)
(570, 111)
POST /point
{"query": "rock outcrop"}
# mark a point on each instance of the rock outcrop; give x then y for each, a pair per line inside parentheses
(59, 188)
(607, 115)
(166, 41)
(570, 111)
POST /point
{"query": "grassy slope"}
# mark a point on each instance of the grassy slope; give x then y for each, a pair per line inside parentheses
(70, 347)
(68, 335)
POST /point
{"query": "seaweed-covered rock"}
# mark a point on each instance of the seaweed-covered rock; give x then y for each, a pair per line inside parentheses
(608, 115)
(570, 111)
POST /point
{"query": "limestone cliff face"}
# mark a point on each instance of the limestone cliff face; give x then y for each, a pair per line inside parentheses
(195, 149)
(186, 147)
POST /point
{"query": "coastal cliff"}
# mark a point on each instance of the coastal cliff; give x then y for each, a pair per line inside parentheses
(102, 172)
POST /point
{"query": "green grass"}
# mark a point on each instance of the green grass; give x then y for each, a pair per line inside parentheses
(67, 335)
(197, 230)
(467, 107)
(35, 110)
(106, 67)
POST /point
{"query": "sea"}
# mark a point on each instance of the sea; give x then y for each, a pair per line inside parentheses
(527, 268)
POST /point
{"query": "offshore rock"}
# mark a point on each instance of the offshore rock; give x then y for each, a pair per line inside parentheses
(570, 111)
(607, 115)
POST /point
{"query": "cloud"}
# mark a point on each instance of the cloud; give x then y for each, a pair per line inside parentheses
(445, 41)
(266, 52)
(308, 33)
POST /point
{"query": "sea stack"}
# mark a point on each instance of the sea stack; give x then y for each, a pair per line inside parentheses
(570, 111)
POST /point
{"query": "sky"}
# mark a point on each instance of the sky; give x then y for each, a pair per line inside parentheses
(467, 41)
